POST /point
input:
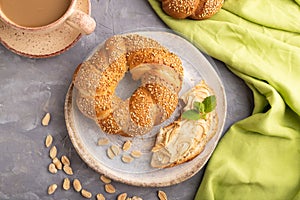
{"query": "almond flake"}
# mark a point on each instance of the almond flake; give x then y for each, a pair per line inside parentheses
(66, 184)
(68, 170)
(48, 140)
(103, 141)
(52, 168)
(52, 188)
(162, 195)
(65, 160)
(77, 185)
(136, 153)
(86, 194)
(57, 163)
(46, 119)
(126, 145)
(127, 159)
(109, 188)
(100, 197)
(105, 179)
(53, 152)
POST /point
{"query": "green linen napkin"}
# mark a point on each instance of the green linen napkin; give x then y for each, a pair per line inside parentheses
(259, 41)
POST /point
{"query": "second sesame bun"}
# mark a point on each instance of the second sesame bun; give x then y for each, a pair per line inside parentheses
(195, 9)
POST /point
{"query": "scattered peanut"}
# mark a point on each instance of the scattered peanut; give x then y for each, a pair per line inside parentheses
(68, 170)
(66, 184)
(52, 188)
(48, 141)
(110, 153)
(109, 188)
(64, 163)
(57, 163)
(126, 145)
(52, 169)
(53, 152)
(86, 194)
(100, 197)
(115, 149)
(77, 185)
(103, 141)
(105, 179)
(136, 198)
(162, 195)
(65, 160)
(127, 159)
(46, 119)
(136, 153)
(122, 196)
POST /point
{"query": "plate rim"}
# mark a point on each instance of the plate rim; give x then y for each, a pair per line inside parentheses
(96, 166)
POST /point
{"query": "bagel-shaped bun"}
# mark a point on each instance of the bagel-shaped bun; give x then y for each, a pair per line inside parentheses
(195, 9)
(159, 71)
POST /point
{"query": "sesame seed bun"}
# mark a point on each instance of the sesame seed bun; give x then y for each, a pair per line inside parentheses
(96, 79)
(195, 9)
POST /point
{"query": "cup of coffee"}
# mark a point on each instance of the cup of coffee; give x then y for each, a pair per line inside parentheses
(44, 15)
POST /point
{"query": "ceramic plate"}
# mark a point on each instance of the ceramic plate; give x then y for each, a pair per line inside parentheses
(42, 45)
(84, 132)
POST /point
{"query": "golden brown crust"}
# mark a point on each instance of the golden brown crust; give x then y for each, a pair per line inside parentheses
(157, 55)
(195, 9)
(165, 99)
(96, 79)
(109, 125)
(140, 105)
(179, 9)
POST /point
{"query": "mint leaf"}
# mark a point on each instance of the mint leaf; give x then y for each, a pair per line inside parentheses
(210, 103)
(199, 106)
(191, 114)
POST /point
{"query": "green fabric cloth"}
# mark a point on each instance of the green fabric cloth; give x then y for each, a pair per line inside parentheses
(259, 41)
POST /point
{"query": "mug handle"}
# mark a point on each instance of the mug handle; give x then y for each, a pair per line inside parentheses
(82, 21)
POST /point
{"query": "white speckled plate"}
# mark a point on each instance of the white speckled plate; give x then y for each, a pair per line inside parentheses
(84, 133)
(42, 45)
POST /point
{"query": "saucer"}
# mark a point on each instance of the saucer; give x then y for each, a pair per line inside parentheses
(42, 45)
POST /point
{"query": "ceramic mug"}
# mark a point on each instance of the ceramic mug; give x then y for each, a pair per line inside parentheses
(73, 17)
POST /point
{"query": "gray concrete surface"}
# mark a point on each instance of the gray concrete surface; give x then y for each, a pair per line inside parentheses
(31, 87)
